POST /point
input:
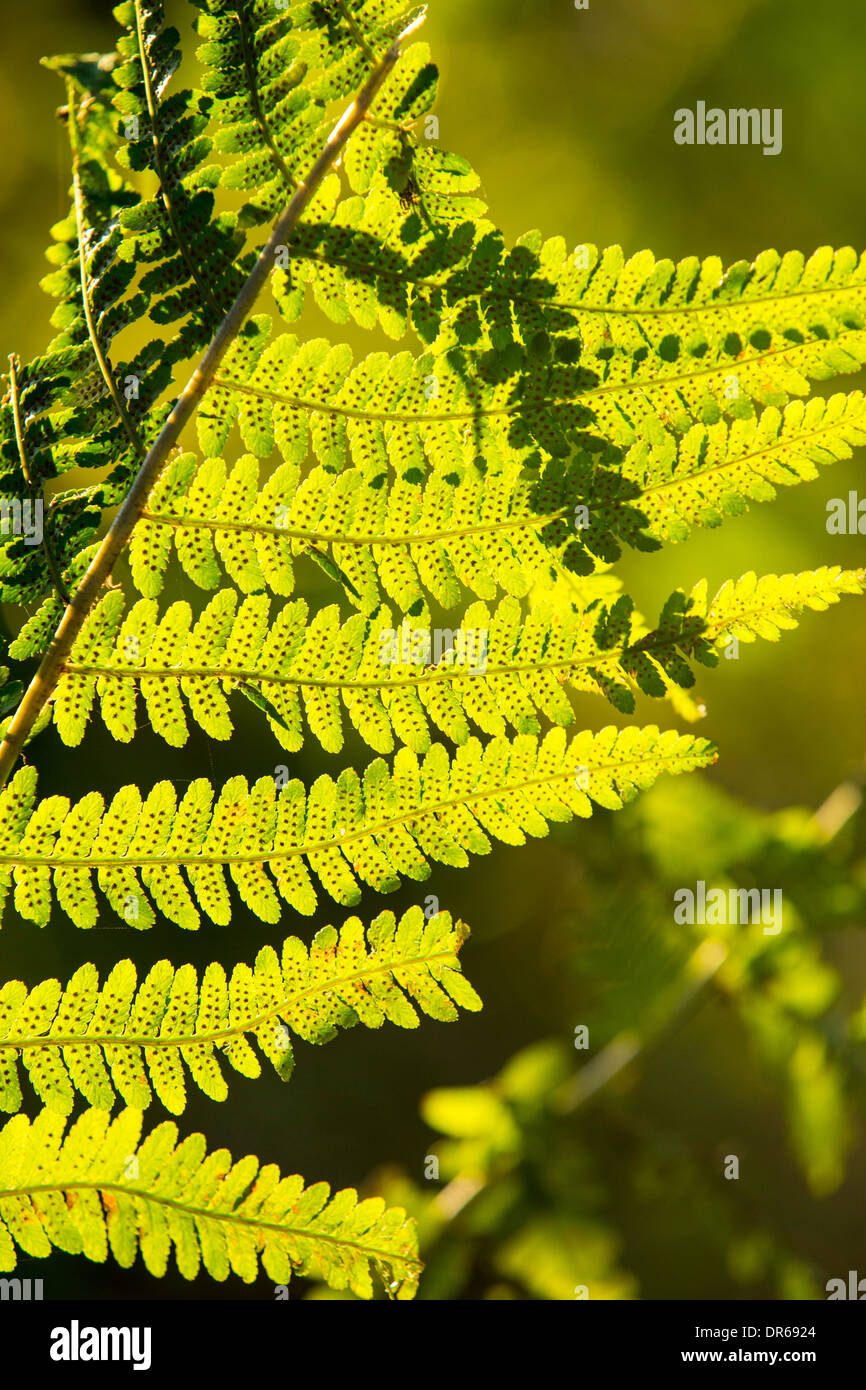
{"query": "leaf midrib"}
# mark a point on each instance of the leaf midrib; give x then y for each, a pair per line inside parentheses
(224, 1034)
(208, 1213)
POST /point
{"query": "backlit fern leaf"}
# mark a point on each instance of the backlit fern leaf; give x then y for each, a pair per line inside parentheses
(750, 607)
(377, 828)
(663, 491)
(409, 537)
(433, 418)
(408, 412)
(498, 669)
(190, 255)
(420, 534)
(99, 1190)
(770, 325)
(788, 298)
(135, 1043)
(559, 406)
(274, 76)
(70, 408)
(502, 668)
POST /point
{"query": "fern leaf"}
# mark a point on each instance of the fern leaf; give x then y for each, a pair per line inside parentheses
(273, 77)
(501, 668)
(438, 409)
(750, 607)
(66, 409)
(190, 255)
(497, 669)
(782, 297)
(690, 341)
(121, 1041)
(415, 537)
(719, 469)
(378, 828)
(98, 1188)
(383, 412)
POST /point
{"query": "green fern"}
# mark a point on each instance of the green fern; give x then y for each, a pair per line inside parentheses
(505, 668)
(722, 468)
(100, 1189)
(133, 1043)
(765, 607)
(377, 828)
(415, 537)
(543, 410)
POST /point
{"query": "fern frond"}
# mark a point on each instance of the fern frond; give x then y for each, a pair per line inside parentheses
(502, 668)
(441, 410)
(749, 607)
(273, 77)
(377, 828)
(414, 537)
(77, 408)
(627, 302)
(665, 485)
(66, 408)
(271, 81)
(377, 264)
(101, 1189)
(450, 407)
(719, 469)
(772, 325)
(192, 275)
(133, 1043)
(499, 668)
(438, 416)
(34, 634)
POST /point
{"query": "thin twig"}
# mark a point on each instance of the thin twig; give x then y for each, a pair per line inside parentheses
(44, 682)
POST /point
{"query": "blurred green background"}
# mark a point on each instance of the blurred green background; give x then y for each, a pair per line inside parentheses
(568, 116)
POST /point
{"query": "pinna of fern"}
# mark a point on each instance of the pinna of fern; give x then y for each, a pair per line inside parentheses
(99, 1188)
(377, 828)
(504, 667)
(134, 1043)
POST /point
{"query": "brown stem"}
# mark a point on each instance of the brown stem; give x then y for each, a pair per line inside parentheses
(43, 684)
